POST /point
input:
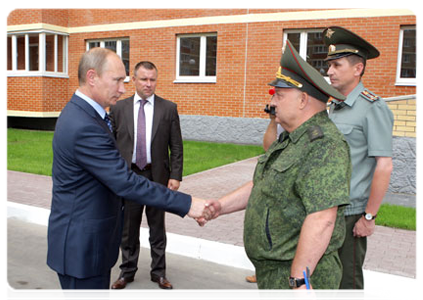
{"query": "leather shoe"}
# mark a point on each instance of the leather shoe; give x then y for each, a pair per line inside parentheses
(251, 279)
(121, 283)
(163, 282)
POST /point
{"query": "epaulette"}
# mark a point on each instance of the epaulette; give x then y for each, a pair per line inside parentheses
(315, 132)
(369, 96)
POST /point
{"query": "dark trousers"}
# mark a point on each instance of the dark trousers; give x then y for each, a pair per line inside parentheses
(352, 254)
(97, 282)
(130, 245)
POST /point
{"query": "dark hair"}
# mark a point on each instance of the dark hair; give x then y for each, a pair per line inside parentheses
(355, 59)
(146, 65)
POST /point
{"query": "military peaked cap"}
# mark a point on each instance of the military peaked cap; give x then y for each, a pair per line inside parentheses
(342, 42)
(294, 72)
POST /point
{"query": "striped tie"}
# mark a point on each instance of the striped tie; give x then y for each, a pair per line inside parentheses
(108, 122)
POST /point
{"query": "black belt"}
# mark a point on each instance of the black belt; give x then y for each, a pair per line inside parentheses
(146, 168)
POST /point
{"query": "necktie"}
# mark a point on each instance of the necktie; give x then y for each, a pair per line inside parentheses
(339, 105)
(141, 156)
(108, 122)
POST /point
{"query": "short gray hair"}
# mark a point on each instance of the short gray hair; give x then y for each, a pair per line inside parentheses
(96, 59)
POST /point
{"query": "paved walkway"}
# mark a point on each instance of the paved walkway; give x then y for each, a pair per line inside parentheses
(390, 250)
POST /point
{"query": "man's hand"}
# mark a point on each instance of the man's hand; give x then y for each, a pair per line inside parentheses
(211, 211)
(364, 228)
(173, 184)
(197, 208)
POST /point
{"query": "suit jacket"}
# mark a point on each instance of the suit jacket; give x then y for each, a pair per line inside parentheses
(166, 133)
(89, 179)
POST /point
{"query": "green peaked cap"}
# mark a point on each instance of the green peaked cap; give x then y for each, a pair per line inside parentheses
(342, 42)
(294, 72)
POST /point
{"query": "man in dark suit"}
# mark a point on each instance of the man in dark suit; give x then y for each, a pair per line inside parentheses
(159, 125)
(90, 177)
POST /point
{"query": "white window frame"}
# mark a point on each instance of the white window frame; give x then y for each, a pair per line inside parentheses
(41, 55)
(403, 81)
(201, 78)
(118, 48)
(303, 42)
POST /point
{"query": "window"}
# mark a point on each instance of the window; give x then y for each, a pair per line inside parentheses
(196, 58)
(37, 54)
(310, 45)
(119, 46)
(406, 67)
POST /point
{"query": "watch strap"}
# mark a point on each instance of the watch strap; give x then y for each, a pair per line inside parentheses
(296, 282)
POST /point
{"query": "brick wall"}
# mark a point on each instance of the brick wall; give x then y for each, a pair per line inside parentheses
(404, 117)
(37, 94)
(248, 56)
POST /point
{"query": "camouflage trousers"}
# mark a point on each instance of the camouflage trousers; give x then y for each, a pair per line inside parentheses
(275, 274)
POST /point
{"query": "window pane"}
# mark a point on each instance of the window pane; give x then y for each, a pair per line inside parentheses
(33, 52)
(211, 56)
(50, 52)
(60, 54)
(110, 45)
(21, 52)
(408, 60)
(9, 53)
(93, 45)
(317, 52)
(189, 57)
(294, 38)
(125, 55)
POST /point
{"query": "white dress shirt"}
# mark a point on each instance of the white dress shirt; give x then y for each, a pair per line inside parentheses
(149, 112)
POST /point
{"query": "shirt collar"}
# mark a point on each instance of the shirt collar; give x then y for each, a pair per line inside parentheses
(138, 98)
(98, 108)
(352, 97)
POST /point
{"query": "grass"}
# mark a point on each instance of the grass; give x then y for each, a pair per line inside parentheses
(396, 216)
(31, 152)
(200, 156)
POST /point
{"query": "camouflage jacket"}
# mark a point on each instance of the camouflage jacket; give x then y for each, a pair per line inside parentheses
(308, 171)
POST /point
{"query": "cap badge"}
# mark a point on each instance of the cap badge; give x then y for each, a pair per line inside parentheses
(279, 75)
(329, 33)
(332, 48)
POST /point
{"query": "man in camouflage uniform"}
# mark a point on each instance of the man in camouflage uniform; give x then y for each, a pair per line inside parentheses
(293, 219)
(366, 121)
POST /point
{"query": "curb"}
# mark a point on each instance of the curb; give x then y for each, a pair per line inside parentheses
(386, 286)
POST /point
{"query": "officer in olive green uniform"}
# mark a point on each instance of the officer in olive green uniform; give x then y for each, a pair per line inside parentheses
(294, 179)
(366, 122)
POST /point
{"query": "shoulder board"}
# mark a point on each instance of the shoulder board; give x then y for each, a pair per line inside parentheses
(369, 96)
(315, 132)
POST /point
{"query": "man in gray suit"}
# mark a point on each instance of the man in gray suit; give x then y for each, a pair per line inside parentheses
(146, 127)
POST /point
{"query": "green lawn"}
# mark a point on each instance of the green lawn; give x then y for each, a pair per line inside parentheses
(31, 152)
(396, 216)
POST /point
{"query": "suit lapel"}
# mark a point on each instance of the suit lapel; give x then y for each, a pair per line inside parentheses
(129, 116)
(91, 111)
(158, 111)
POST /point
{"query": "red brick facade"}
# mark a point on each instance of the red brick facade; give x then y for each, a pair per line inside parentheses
(248, 56)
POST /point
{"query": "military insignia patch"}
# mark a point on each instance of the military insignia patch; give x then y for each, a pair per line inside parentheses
(314, 133)
(369, 96)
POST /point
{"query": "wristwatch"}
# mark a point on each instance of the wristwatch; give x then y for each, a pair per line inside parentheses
(369, 216)
(295, 282)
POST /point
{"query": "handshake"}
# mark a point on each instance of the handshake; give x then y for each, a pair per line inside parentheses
(204, 210)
